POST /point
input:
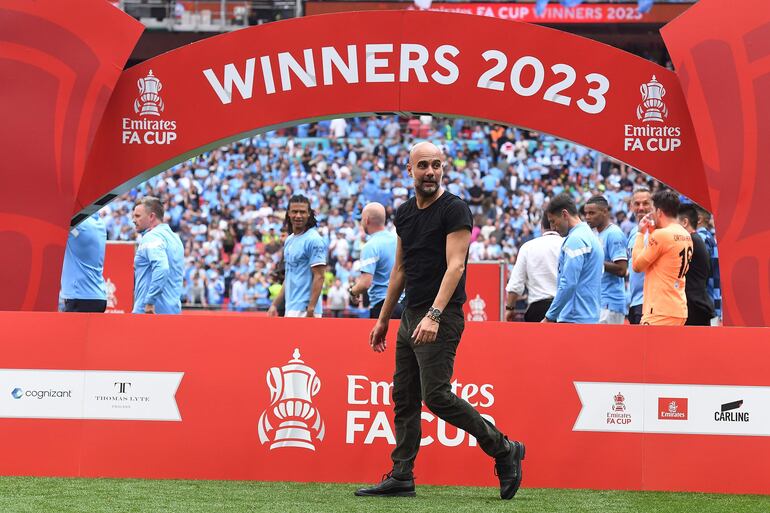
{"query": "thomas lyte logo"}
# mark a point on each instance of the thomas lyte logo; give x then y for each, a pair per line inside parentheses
(477, 312)
(299, 424)
(149, 102)
(150, 128)
(652, 134)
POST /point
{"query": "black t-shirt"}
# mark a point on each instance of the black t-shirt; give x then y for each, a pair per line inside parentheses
(696, 279)
(423, 242)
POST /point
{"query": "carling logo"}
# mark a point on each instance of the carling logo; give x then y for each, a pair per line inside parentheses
(727, 412)
(299, 424)
(672, 408)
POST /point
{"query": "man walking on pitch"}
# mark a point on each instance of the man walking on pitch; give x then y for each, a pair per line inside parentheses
(159, 262)
(434, 229)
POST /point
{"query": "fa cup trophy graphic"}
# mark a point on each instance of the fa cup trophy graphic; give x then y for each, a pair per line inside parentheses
(477, 312)
(652, 107)
(292, 388)
(149, 102)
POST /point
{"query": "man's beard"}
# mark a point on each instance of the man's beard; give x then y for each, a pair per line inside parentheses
(426, 194)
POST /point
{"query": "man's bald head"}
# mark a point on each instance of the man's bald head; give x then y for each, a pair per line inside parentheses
(373, 217)
(424, 149)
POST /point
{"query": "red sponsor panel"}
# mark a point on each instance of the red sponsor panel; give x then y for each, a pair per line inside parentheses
(283, 399)
(58, 68)
(119, 276)
(484, 287)
(726, 78)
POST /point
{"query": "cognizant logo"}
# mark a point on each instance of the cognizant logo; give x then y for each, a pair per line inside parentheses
(18, 393)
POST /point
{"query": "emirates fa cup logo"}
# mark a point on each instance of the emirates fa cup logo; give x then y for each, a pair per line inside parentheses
(619, 403)
(149, 102)
(652, 108)
(477, 309)
(292, 388)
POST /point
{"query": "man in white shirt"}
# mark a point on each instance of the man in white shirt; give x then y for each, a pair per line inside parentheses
(537, 265)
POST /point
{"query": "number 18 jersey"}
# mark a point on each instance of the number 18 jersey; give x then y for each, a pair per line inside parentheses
(664, 260)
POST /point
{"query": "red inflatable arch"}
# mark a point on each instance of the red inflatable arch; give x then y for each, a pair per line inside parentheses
(195, 98)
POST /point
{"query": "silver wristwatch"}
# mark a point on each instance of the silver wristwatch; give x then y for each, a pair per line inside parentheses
(434, 314)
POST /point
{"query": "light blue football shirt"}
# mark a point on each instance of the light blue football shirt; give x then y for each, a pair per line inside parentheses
(578, 283)
(613, 286)
(377, 259)
(301, 252)
(82, 274)
(159, 271)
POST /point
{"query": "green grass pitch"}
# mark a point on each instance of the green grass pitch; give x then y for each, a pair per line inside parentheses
(55, 495)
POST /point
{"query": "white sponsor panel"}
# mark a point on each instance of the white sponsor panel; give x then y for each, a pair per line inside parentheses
(610, 407)
(79, 394)
(675, 409)
(129, 395)
(46, 394)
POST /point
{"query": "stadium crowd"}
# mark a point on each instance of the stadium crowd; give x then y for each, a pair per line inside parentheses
(229, 205)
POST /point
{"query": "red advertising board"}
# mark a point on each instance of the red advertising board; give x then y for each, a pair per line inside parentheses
(207, 397)
(484, 286)
(119, 276)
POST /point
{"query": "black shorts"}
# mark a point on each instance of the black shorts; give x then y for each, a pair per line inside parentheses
(85, 305)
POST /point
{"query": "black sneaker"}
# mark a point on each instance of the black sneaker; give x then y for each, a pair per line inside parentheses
(389, 487)
(508, 469)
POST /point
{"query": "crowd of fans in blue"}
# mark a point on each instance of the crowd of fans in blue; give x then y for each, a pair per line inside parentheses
(228, 205)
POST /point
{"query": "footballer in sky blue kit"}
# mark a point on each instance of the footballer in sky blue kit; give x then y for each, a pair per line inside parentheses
(159, 262)
(82, 280)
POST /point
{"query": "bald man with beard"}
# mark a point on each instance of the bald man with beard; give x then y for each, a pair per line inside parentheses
(434, 231)
(377, 257)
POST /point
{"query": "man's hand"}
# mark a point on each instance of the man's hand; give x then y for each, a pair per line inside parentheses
(377, 337)
(352, 298)
(272, 311)
(426, 331)
(647, 224)
(310, 312)
(149, 309)
(546, 319)
(509, 315)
